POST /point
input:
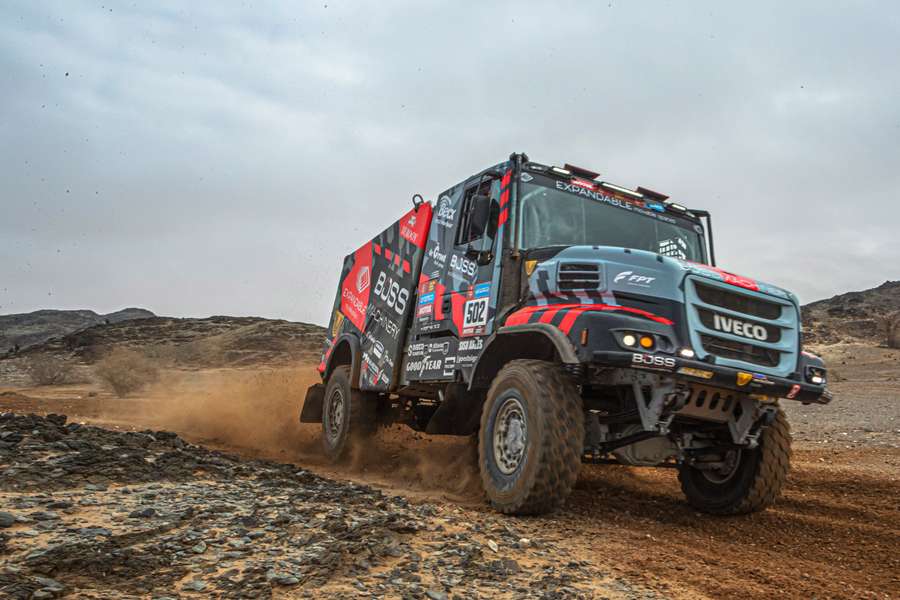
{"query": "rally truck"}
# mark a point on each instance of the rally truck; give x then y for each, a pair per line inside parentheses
(561, 319)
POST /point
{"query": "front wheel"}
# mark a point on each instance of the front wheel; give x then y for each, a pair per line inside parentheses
(348, 415)
(748, 480)
(531, 438)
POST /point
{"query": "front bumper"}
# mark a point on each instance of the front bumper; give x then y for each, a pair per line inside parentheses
(722, 377)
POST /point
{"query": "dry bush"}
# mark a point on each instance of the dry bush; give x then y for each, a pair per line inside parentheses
(126, 371)
(890, 326)
(45, 369)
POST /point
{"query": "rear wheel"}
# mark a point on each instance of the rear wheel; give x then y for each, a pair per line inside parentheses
(531, 438)
(348, 415)
(747, 480)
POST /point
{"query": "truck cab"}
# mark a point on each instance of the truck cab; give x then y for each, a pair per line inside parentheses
(565, 319)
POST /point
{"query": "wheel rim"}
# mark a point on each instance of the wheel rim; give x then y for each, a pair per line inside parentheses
(729, 467)
(510, 435)
(334, 415)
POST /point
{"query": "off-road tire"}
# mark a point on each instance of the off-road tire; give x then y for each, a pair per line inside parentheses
(551, 459)
(357, 420)
(755, 484)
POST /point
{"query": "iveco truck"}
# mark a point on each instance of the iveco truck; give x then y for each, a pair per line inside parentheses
(564, 319)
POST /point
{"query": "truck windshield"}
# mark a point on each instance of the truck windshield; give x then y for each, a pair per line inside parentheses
(562, 214)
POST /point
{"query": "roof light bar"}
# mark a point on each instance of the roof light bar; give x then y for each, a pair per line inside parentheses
(621, 190)
(677, 207)
(582, 172)
(651, 194)
(561, 171)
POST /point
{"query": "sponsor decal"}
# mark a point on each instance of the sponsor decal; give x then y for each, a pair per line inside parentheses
(795, 389)
(701, 373)
(336, 321)
(652, 361)
(482, 289)
(475, 313)
(427, 298)
(424, 364)
(384, 321)
(632, 278)
(635, 205)
(362, 279)
(391, 293)
(449, 366)
(430, 326)
(355, 287)
(438, 348)
(417, 349)
(471, 344)
(759, 378)
(446, 214)
(425, 310)
(466, 360)
(440, 258)
(738, 327)
(463, 265)
(414, 225)
(378, 349)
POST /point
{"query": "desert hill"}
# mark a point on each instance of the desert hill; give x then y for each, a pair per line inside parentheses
(851, 317)
(218, 341)
(27, 329)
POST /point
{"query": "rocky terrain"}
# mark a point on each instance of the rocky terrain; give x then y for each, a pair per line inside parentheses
(217, 341)
(27, 329)
(110, 514)
(852, 317)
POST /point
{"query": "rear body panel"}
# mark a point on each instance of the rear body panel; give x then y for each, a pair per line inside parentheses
(376, 295)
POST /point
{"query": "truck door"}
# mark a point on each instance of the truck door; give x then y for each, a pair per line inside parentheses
(457, 293)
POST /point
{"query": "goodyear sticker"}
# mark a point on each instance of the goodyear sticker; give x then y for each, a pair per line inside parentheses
(426, 298)
(482, 289)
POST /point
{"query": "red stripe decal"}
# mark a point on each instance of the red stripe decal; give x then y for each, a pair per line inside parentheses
(548, 315)
(504, 216)
(406, 267)
(520, 317)
(388, 254)
(377, 248)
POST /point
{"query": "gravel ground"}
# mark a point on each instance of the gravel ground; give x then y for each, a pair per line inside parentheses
(105, 514)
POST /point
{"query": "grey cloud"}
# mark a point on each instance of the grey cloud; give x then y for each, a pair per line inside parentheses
(205, 159)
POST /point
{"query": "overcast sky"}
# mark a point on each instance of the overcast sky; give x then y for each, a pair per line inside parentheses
(201, 158)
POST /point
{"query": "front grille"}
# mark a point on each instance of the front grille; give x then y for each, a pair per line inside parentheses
(737, 302)
(740, 328)
(738, 351)
(574, 277)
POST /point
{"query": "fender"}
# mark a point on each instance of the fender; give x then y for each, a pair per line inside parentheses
(485, 368)
(352, 340)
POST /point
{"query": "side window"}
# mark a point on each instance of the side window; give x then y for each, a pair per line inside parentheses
(479, 212)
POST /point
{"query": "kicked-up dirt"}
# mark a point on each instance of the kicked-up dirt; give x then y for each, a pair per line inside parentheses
(625, 532)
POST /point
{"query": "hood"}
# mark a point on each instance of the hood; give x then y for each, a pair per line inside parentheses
(601, 270)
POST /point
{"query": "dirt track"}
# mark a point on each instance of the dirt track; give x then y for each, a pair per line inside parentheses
(835, 533)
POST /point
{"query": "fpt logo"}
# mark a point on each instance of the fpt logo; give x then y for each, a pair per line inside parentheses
(362, 280)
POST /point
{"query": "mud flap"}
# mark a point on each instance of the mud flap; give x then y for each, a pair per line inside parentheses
(312, 406)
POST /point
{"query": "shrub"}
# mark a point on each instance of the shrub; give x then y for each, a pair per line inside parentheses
(126, 371)
(890, 326)
(45, 369)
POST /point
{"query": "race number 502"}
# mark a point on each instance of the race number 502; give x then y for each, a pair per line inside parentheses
(475, 312)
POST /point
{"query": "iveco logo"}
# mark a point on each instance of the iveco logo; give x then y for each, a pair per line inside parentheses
(742, 328)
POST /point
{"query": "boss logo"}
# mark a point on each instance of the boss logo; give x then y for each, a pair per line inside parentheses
(463, 265)
(652, 360)
(741, 328)
(362, 279)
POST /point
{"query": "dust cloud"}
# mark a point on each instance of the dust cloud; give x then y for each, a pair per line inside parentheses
(256, 412)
